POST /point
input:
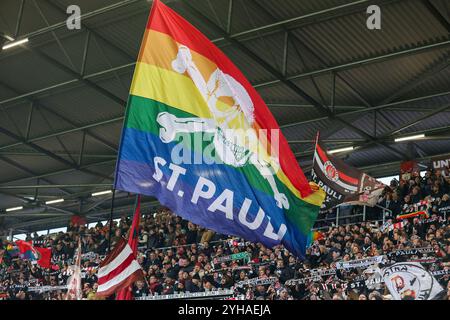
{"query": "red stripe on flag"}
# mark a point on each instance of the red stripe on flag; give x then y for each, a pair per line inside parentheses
(117, 270)
(114, 253)
(342, 175)
(322, 154)
(138, 274)
(348, 179)
(133, 237)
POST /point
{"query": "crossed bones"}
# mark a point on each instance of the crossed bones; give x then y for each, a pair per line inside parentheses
(223, 125)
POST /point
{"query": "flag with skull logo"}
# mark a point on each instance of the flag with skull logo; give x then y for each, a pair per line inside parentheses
(199, 137)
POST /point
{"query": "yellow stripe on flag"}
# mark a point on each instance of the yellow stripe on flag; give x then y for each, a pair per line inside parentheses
(154, 79)
(161, 49)
(169, 87)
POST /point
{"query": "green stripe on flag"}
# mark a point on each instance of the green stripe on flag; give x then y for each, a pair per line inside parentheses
(142, 114)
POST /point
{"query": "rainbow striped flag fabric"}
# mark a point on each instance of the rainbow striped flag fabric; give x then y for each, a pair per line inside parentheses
(198, 137)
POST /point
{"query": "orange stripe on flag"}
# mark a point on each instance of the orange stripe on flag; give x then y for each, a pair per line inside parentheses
(166, 21)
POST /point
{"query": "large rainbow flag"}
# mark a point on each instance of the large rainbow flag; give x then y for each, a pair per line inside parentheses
(199, 137)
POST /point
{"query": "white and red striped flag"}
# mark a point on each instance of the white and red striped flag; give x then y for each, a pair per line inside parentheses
(119, 270)
(133, 239)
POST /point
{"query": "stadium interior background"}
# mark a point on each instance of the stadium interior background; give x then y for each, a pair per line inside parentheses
(315, 63)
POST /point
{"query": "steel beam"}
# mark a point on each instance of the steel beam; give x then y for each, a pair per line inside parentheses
(285, 80)
(379, 58)
(333, 73)
(36, 104)
(415, 50)
(64, 171)
(419, 119)
(379, 107)
(50, 154)
(63, 132)
(76, 75)
(230, 15)
(353, 141)
(430, 134)
(61, 143)
(61, 9)
(85, 16)
(58, 41)
(438, 15)
(430, 72)
(63, 220)
(19, 19)
(85, 53)
(27, 153)
(28, 171)
(83, 143)
(426, 158)
(313, 17)
(56, 186)
(358, 109)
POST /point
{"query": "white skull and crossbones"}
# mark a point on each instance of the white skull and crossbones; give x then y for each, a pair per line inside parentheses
(224, 122)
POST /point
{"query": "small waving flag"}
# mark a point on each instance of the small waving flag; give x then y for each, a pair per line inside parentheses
(29, 252)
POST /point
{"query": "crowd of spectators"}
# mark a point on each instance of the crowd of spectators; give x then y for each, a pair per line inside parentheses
(178, 256)
(433, 186)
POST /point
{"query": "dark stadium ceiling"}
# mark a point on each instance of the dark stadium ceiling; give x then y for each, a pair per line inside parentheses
(315, 63)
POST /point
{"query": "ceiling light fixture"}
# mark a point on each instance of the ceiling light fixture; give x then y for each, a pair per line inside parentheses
(415, 137)
(14, 44)
(14, 209)
(100, 193)
(54, 201)
(341, 150)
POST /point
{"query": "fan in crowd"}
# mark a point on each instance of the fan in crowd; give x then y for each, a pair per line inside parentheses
(178, 256)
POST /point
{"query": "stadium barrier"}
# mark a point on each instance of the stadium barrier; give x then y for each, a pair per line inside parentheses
(339, 218)
(214, 294)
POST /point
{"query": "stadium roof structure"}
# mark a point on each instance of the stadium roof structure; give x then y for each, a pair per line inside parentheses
(315, 63)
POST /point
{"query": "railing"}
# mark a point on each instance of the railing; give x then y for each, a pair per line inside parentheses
(213, 294)
(339, 219)
(200, 244)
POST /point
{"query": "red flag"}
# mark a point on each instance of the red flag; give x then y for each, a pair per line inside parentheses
(79, 220)
(45, 257)
(133, 237)
(42, 255)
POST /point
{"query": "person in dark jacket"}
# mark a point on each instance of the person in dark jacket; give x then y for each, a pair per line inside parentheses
(191, 234)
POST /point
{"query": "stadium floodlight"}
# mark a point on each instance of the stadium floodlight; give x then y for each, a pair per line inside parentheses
(54, 201)
(15, 43)
(341, 150)
(100, 193)
(14, 209)
(415, 137)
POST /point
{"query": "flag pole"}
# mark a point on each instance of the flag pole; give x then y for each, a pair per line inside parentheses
(136, 201)
(314, 154)
(111, 220)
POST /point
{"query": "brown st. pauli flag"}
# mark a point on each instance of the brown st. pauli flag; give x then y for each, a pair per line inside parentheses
(342, 182)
